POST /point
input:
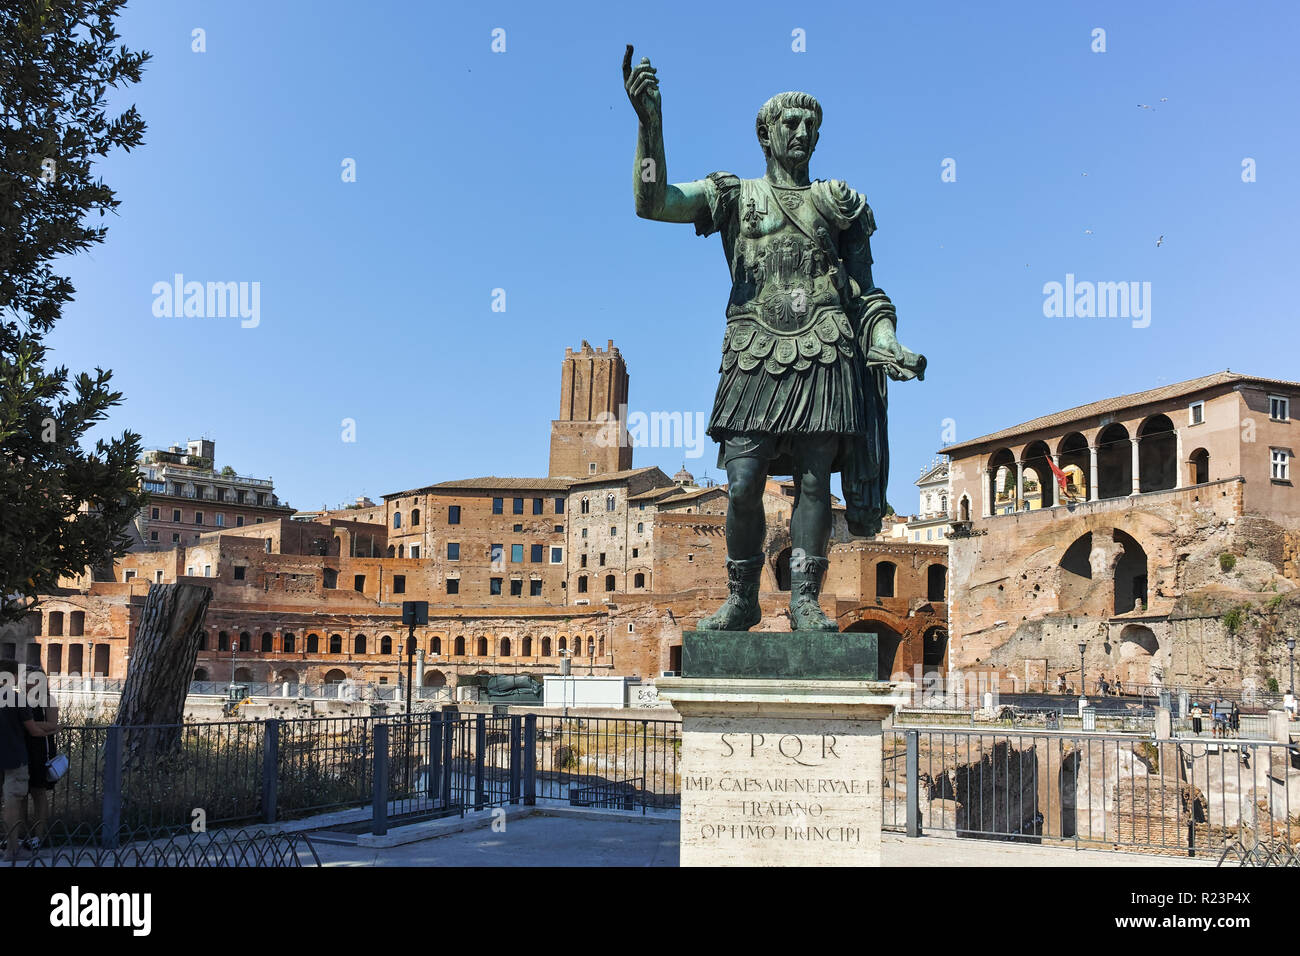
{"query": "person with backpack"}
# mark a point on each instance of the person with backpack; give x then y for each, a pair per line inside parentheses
(16, 724)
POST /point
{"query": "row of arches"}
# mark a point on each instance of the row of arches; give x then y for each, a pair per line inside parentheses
(1083, 560)
(361, 645)
(886, 575)
(54, 621)
(1116, 464)
(76, 659)
(290, 676)
(893, 656)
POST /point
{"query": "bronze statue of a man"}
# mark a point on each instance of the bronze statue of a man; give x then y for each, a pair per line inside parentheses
(808, 347)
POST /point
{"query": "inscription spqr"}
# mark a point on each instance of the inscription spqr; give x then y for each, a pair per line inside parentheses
(803, 794)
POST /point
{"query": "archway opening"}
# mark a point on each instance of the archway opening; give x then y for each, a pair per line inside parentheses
(1130, 574)
(936, 585)
(1137, 649)
(1198, 467)
(783, 570)
(1075, 460)
(886, 572)
(1157, 454)
(1077, 557)
(1114, 462)
(887, 643)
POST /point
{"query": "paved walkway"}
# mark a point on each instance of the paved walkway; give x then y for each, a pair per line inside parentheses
(596, 838)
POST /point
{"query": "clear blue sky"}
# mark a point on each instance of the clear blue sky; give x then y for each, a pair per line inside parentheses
(478, 170)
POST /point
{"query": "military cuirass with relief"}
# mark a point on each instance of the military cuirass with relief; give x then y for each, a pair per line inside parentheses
(785, 310)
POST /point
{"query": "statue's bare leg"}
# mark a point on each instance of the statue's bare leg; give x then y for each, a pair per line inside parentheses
(746, 527)
(810, 531)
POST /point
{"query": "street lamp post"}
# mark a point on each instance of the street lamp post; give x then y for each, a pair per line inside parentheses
(1290, 646)
(1083, 678)
(565, 667)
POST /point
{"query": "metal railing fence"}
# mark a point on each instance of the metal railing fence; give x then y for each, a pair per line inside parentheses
(1092, 790)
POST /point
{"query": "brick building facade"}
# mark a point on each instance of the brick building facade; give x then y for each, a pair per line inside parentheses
(607, 566)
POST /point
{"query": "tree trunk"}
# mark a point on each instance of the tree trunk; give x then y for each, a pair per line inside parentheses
(158, 679)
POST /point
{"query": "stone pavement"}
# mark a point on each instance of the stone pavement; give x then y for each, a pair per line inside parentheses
(562, 838)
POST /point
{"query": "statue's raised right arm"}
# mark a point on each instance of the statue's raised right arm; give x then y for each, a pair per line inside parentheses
(656, 198)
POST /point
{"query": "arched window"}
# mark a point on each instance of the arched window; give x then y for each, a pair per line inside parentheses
(640, 527)
(336, 643)
(602, 647)
(885, 572)
(223, 641)
(268, 642)
(460, 647)
(546, 647)
(638, 580)
(313, 643)
(936, 583)
(964, 512)
(582, 584)
(1198, 467)
(586, 506)
(526, 650)
(562, 645)
(577, 646)
(245, 641)
(1114, 462)
(359, 644)
(415, 517)
(435, 645)
(505, 647)
(288, 642)
(609, 582)
(609, 502)
(482, 647)
(203, 641)
(397, 519)
(386, 644)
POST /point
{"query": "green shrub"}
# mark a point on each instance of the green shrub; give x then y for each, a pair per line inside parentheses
(1227, 562)
(1234, 618)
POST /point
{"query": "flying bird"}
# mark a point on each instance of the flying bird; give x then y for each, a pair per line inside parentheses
(1087, 232)
(1143, 106)
(1160, 242)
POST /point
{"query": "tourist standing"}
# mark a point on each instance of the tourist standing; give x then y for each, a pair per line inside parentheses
(15, 723)
(40, 750)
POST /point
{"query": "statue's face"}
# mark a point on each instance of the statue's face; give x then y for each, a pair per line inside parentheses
(792, 137)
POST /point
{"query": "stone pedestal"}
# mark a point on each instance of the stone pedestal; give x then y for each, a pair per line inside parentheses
(780, 771)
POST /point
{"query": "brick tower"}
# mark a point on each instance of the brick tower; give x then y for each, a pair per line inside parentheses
(590, 437)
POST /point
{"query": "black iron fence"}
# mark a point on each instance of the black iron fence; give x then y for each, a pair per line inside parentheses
(1193, 797)
(244, 847)
(236, 773)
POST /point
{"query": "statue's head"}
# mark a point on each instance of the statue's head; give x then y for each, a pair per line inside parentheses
(787, 127)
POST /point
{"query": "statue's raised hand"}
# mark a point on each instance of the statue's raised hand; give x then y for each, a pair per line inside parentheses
(642, 87)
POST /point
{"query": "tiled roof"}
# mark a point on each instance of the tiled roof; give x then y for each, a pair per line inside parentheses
(616, 476)
(490, 482)
(494, 482)
(1119, 403)
(687, 494)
